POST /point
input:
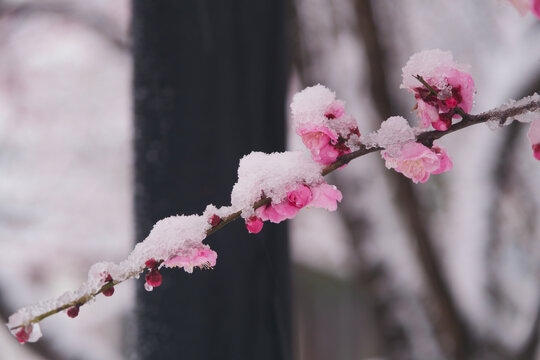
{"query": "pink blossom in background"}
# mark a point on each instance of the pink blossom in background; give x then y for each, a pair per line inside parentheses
(534, 138)
(523, 6)
(418, 162)
(453, 84)
(536, 8)
(198, 255)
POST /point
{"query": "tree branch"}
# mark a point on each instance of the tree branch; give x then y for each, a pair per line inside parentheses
(408, 199)
(425, 138)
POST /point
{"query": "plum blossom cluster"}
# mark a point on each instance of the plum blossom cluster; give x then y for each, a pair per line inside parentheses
(418, 162)
(321, 122)
(275, 187)
(524, 6)
(290, 181)
(319, 196)
(442, 88)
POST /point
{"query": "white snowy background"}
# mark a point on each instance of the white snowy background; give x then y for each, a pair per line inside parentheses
(65, 179)
(65, 167)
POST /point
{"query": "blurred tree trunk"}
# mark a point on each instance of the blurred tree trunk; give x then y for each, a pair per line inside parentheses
(209, 87)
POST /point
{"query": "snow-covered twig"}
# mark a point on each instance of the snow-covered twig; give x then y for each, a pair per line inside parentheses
(107, 283)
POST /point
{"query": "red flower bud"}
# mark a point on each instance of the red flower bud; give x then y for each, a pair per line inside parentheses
(151, 264)
(214, 220)
(73, 311)
(109, 291)
(153, 278)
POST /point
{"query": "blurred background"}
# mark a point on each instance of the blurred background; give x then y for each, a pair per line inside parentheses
(447, 269)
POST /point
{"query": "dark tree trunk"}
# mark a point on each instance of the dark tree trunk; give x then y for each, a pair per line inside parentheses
(209, 87)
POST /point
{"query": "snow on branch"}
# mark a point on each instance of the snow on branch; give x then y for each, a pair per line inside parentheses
(275, 187)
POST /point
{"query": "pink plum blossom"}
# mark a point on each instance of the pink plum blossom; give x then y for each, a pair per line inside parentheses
(300, 197)
(197, 255)
(335, 110)
(534, 138)
(254, 224)
(23, 332)
(321, 142)
(326, 196)
(324, 144)
(321, 196)
(321, 122)
(417, 161)
(445, 161)
(452, 84)
(289, 207)
(276, 213)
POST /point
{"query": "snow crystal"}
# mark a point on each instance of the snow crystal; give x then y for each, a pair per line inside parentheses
(394, 132)
(271, 175)
(429, 64)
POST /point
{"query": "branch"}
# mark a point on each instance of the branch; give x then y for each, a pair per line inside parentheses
(408, 199)
(425, 138)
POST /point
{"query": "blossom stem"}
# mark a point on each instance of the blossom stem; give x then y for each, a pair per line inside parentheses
(426, 138)
(424, 82)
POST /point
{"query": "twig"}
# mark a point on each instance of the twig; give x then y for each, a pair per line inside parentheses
(409, 202)
(43, 349)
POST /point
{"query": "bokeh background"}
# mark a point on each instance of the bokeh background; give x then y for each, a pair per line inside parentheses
(400, 271)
